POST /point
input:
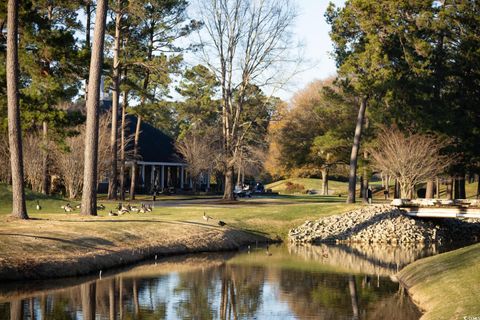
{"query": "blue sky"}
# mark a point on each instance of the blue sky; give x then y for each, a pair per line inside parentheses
(312, 30)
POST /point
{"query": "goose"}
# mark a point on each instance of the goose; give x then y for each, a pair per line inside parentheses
(78, 206)
(101, 207)
(122, 211)
(38, 207)
(112, 214)
(221, 223)
(205, 217)
(68, 208)
(149, 208)
(134, 209)
(142, 208)
(268, 253)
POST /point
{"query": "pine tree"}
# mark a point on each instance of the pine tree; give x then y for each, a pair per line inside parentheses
(19, 209)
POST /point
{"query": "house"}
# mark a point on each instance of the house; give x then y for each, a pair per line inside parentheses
(159, 165)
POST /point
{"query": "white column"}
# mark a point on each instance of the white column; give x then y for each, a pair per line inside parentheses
(181, 177)
(163, 177)
(152, 177)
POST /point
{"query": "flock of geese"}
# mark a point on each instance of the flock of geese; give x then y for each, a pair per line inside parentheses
(69, 208)
(121, 209)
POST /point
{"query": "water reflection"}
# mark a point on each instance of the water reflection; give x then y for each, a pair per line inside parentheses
(291, 283)
(377, 259)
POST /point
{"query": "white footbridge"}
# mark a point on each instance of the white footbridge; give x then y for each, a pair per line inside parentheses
(439, 208)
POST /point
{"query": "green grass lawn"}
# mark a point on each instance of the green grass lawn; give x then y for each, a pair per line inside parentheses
(446, 285)
(270, 216)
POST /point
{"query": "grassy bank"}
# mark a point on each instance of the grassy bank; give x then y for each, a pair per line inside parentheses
(334, 187)
(53, 243)
(447, 286)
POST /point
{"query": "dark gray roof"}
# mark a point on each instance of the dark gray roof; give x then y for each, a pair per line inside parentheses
(154, 145)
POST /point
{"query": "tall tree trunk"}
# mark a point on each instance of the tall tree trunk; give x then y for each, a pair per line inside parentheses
(113, 181)
(449, 192)
(136, 303)
(120, 298)
(89, 195)
(352, 286)
(239, 175)
(122, 144)
(45, 158)
(88, 26)
(228, 192)
(19, 209)
(352, 179)
(396, 191)
(233, 300)
(430, 189)
(111, 300)
(88, 293)
(43, 307)
(364, 185)
(324, 172)
(224, 298)
(133, 181)
(437, 182)
(16, 309)
(31, 308)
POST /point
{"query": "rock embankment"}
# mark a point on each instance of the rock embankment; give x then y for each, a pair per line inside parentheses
(384, 224)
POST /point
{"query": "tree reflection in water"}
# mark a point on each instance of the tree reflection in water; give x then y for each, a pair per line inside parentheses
(247, 286)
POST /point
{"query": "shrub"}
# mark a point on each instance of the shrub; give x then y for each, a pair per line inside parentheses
(294, 187)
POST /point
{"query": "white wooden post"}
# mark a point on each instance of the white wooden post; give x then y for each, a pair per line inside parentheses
(152, 177)
(163, 177)
(143, 175)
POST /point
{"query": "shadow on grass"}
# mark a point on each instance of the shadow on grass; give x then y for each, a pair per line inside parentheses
(87, 242)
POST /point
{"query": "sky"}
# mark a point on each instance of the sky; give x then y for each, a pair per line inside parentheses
(312, 29)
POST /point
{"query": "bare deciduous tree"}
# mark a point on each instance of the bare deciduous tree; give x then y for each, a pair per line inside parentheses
(242, 43)
(250, 162)
(411, 158)
(196, 150)
(4, 159)
(34, 161)
(70, 163)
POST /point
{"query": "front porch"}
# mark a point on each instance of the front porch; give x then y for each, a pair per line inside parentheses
(161, 176)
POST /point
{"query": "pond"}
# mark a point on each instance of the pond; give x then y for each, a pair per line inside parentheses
(281, 282)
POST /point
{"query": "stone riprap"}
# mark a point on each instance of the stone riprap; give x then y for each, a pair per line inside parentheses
(384, 224)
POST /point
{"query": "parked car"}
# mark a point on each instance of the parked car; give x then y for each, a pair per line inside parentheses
(242, 191)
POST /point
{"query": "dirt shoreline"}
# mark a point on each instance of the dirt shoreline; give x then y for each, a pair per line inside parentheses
(210, 240)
